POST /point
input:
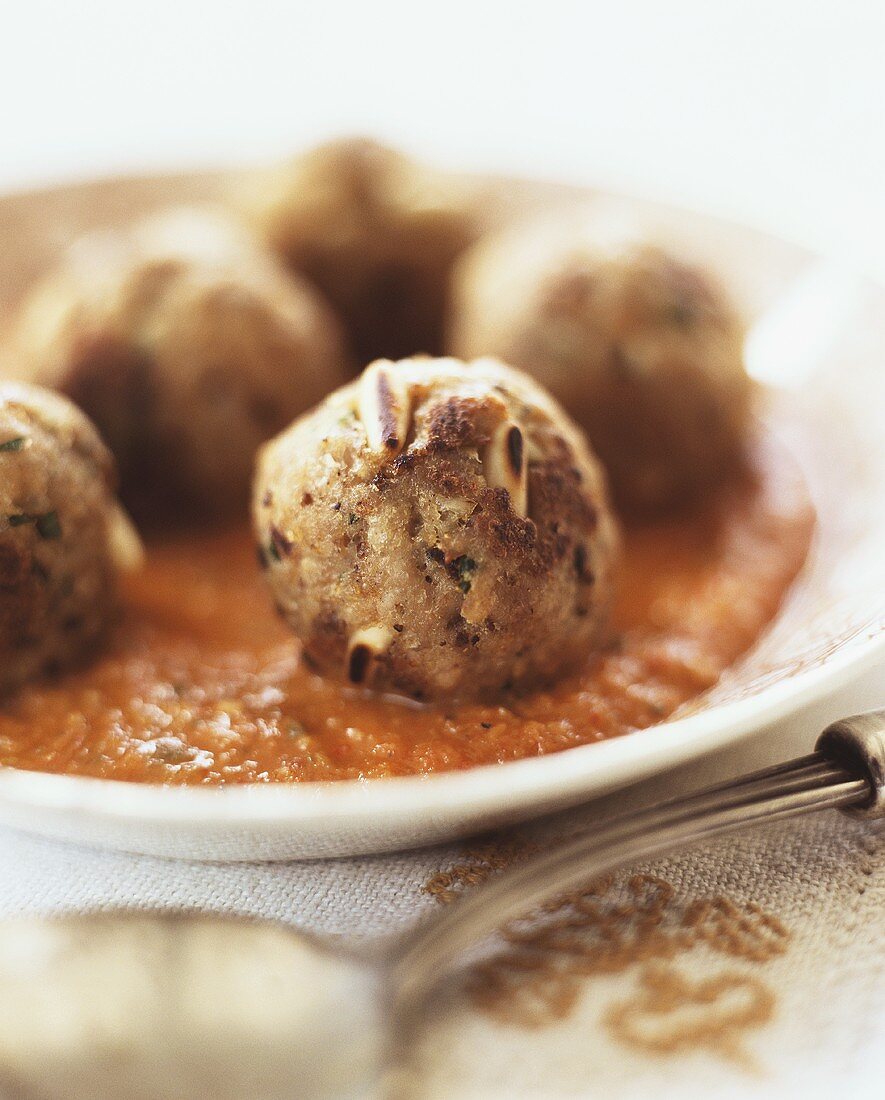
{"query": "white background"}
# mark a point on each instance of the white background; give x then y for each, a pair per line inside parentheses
(770, 111)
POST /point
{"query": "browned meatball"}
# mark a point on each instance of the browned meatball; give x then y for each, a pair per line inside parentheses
(438, 529)
(376, 232)
(188, 345)
(62, 535)
(643, 349)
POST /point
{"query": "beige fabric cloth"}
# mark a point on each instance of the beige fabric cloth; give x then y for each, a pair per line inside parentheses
(752, 967)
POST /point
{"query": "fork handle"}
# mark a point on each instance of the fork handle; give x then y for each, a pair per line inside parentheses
(846, 772)
(858, 745)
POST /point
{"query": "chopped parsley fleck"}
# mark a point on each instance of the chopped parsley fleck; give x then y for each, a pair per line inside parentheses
(464, 568)
(48, 526)
(273, 553)
(46, 523)
(13, 444)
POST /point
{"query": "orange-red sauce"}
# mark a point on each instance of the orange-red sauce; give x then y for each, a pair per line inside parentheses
(203, 684)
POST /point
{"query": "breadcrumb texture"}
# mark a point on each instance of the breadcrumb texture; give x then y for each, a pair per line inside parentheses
(643, 349)
(463, 548)
(189, 345)
(376, 231)
(58, 515)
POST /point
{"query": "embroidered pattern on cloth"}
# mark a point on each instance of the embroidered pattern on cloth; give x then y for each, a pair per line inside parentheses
(635, 923)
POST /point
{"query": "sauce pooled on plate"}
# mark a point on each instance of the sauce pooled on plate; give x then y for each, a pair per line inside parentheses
(202, 683)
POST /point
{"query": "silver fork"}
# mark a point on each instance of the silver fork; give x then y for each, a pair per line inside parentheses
(846, 771)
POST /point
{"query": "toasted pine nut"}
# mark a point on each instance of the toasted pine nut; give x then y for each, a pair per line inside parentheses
(365, 647)
(384, 407)
(504, 464)
(125, 543)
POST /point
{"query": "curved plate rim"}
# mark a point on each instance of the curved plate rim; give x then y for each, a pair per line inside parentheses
(513, 790)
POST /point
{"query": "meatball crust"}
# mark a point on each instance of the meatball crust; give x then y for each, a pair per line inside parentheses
(375, 231)
(438, 529)
(644, 350)
(60, 529)
(189, 346)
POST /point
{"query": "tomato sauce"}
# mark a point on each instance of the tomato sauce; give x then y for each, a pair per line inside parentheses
(202, 683)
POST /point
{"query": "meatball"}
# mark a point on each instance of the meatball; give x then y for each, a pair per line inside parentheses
(438, 529)
(62, 534)
(644, 350)
(189, 346)
(376, 232)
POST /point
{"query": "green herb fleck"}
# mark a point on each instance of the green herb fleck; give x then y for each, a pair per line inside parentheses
(46, 523)
(352, 518)
(48, 526)
(13, 444)
(464, 568)
(272, 551)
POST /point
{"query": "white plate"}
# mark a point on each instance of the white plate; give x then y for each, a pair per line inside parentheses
(832, 625)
